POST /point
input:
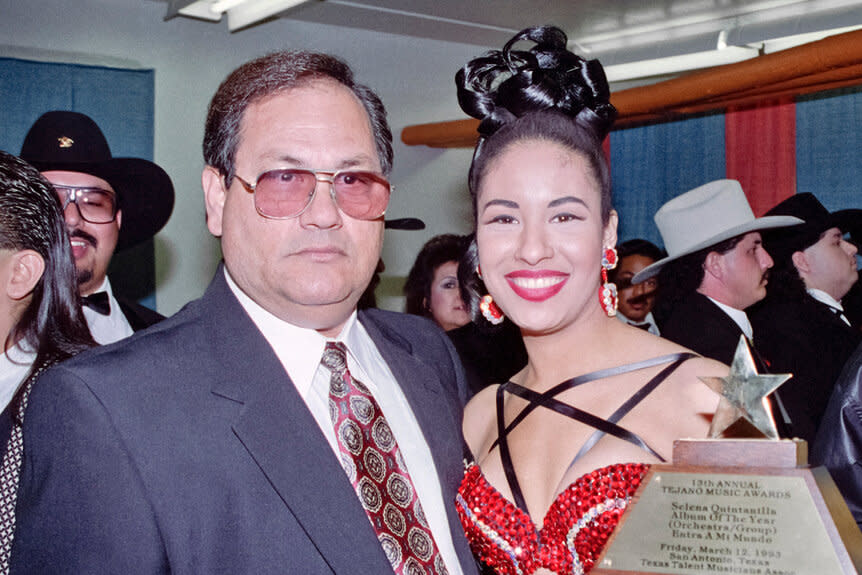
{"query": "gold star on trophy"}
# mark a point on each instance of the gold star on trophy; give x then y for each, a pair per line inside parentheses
(743, 394)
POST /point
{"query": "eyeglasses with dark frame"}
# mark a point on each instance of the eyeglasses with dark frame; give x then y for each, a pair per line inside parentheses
(287, 193)
(95, 205)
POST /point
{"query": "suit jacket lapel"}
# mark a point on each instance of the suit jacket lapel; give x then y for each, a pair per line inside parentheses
(421, 385)
(280, 434)
(438, 415)
(830, 315)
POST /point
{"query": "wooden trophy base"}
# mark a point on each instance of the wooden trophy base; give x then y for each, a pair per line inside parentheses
(739, 506)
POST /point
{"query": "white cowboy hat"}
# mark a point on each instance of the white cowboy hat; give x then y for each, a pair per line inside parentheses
(705, 216)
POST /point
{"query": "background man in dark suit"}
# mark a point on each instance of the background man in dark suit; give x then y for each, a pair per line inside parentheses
(718, 267)
(230, 438)
(801, 325)
(109, 204)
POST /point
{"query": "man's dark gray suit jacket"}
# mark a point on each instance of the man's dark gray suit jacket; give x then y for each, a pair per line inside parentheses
(186, 449)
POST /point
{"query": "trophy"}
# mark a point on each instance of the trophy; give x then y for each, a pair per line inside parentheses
(741, 506)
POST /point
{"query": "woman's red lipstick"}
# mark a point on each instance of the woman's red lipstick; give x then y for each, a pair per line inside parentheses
(536, 285)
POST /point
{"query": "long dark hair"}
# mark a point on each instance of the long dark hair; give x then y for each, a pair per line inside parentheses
(53, 324)
(545, 93)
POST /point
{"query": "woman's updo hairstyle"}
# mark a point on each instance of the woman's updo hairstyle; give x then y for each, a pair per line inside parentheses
(546, 93)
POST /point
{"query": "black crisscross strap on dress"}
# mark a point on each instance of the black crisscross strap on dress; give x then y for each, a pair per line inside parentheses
(602, 426)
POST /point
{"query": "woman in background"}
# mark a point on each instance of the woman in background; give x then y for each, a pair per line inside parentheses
(432, 288)
(560, 448)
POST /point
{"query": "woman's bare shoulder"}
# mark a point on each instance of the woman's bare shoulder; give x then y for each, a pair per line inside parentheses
(686, 382)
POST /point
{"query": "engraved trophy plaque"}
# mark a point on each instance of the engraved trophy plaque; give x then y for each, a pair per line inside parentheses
(739, 506)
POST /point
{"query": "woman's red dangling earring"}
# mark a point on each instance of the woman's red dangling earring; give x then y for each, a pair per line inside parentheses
(490, 310)
(608, 291)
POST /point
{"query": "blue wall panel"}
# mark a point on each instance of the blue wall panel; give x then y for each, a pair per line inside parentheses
(652, 164)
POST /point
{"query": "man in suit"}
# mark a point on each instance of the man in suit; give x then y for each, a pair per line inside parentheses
(801, 325)
(109, 204)
(716, 267)
(636, 301)
(244, 434)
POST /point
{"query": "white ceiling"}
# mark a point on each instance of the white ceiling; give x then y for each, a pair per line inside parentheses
(617, 31)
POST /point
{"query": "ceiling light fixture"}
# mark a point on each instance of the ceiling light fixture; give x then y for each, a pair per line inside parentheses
(733, 16)
(724, 54)
(240, 13)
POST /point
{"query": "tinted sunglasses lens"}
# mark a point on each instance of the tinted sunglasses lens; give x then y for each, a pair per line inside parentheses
(286, 193)
(96, 206)
(361, 195)
(283, 193)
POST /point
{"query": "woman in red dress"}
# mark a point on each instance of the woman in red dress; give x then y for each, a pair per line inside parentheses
(560, 448)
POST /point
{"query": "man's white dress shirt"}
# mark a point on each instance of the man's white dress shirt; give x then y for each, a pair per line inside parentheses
(14, 366)
(648, 319)
(824, 297)
(739, 317)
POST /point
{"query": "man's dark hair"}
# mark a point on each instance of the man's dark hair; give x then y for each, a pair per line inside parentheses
(436, 252)
(681, 277)
(636, 247)
(267, 76)
(640, 247)
(31, 219)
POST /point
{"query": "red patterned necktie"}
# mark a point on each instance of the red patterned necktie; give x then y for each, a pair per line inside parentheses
(373, 463)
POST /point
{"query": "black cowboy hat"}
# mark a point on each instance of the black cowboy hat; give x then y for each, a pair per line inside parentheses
(71, 141)
(781, 244)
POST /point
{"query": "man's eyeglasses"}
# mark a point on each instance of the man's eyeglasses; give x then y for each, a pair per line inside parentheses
(284, 194)
(95, 205)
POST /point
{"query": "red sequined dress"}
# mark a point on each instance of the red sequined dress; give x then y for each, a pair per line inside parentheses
(583, 516)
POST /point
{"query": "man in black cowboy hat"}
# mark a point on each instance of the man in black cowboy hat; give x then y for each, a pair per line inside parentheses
(109, 204)
(801, 325)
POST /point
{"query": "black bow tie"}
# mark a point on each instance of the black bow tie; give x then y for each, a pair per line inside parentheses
(644, 326)
(98, 302)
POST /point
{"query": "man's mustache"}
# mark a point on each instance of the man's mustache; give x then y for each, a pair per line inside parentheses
(642, 298)
(80, 234)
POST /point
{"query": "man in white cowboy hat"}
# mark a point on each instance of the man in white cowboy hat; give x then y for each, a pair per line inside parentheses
(716, 267)
(109, 204)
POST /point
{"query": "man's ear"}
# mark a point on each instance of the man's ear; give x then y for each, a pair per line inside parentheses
(215, 195)
(714, 264)
(27, 269)
(119, 219)
(800, 262)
